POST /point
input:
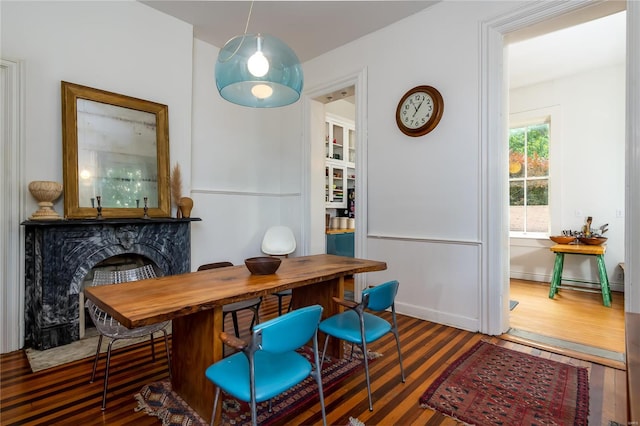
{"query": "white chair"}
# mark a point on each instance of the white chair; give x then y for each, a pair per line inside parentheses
(279, 241)
(111, 328)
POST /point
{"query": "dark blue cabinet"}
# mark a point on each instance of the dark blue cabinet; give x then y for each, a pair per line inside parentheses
(341, 244)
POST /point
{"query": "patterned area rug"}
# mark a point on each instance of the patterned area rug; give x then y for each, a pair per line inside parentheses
(80, 349)
(492, 385)
(157, 399)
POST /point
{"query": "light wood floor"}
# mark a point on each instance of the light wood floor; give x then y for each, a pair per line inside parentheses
(574, 316)
(62, 395)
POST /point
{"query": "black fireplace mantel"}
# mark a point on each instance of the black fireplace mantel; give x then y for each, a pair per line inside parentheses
(59, 254)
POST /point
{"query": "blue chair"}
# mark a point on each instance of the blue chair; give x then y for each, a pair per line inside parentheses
(360, 327)
(269, 364)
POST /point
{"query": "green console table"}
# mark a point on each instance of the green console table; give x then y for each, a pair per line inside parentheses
(586, 250)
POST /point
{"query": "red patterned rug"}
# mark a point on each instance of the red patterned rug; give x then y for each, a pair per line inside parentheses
(157, 399)
(492, 385)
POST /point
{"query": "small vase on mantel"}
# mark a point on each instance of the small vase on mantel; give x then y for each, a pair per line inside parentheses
(45, 193)
(184, 207)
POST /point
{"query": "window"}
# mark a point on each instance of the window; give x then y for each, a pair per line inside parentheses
(529, 178)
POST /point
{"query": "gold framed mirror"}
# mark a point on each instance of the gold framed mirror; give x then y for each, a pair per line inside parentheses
(114, 147)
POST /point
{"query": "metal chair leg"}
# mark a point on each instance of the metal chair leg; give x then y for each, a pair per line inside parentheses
(215, 405)
(106, 376)
(366, 372)
(324, 350)
(317, 374)
(395, 333)
(256, 316)
(279, 304)
(153, 349)
(166, 347)
(95, 361)
(236, 328)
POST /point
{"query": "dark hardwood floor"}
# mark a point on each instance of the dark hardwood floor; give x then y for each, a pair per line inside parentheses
(63, 395)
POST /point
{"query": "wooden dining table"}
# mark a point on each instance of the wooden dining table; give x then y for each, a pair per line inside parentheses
(194, 301)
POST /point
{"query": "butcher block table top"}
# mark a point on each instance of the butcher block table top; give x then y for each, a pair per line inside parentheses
(140, 303)
(579, 249)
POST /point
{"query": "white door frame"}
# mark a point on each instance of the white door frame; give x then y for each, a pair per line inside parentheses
(12, 205)
(311, 214)
(493, 94)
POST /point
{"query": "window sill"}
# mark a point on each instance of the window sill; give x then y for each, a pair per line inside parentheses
(530, 241)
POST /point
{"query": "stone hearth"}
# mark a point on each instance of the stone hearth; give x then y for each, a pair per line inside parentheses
(60, 254)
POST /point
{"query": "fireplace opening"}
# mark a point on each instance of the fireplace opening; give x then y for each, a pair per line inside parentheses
(120, 262)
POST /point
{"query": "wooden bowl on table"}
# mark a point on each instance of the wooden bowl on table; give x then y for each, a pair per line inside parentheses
(264, 265)
(562, 239)
(592, 241)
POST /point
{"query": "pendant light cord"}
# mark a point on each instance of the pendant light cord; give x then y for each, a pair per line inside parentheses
(246, 28)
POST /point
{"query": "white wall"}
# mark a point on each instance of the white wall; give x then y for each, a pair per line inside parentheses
(587, 166)
(424, 193)
(246, 169)
(101, 45)
(122, 47)
(243, 167)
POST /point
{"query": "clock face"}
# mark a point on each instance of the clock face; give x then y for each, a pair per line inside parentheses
(419, 111)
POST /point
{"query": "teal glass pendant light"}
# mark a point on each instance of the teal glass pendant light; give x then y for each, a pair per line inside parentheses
(258, 70)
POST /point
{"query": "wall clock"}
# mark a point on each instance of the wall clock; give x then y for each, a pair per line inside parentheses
(419, 111)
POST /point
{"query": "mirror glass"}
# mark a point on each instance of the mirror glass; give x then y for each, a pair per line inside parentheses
(116, 156)
(116, 148)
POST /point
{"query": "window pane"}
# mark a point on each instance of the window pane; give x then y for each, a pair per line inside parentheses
(537, 206)
(516, 164)
(516, 218)
(529, 178)
(537, 218)
(516, 140)
(516, 193)
(538, 150)
(538, 192)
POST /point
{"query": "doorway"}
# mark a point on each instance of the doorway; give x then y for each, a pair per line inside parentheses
(353, 99)
(567, 213)
(340, 170)
(495, 280)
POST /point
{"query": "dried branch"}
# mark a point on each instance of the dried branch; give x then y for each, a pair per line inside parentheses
(176, 184)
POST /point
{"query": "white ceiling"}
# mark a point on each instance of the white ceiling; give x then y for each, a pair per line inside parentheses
(312, 28)
(594, 44)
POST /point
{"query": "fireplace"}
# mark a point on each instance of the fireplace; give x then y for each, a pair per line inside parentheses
(60, 254)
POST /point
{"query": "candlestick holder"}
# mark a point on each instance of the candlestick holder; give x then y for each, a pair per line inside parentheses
(146, 209)
(99, 208)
